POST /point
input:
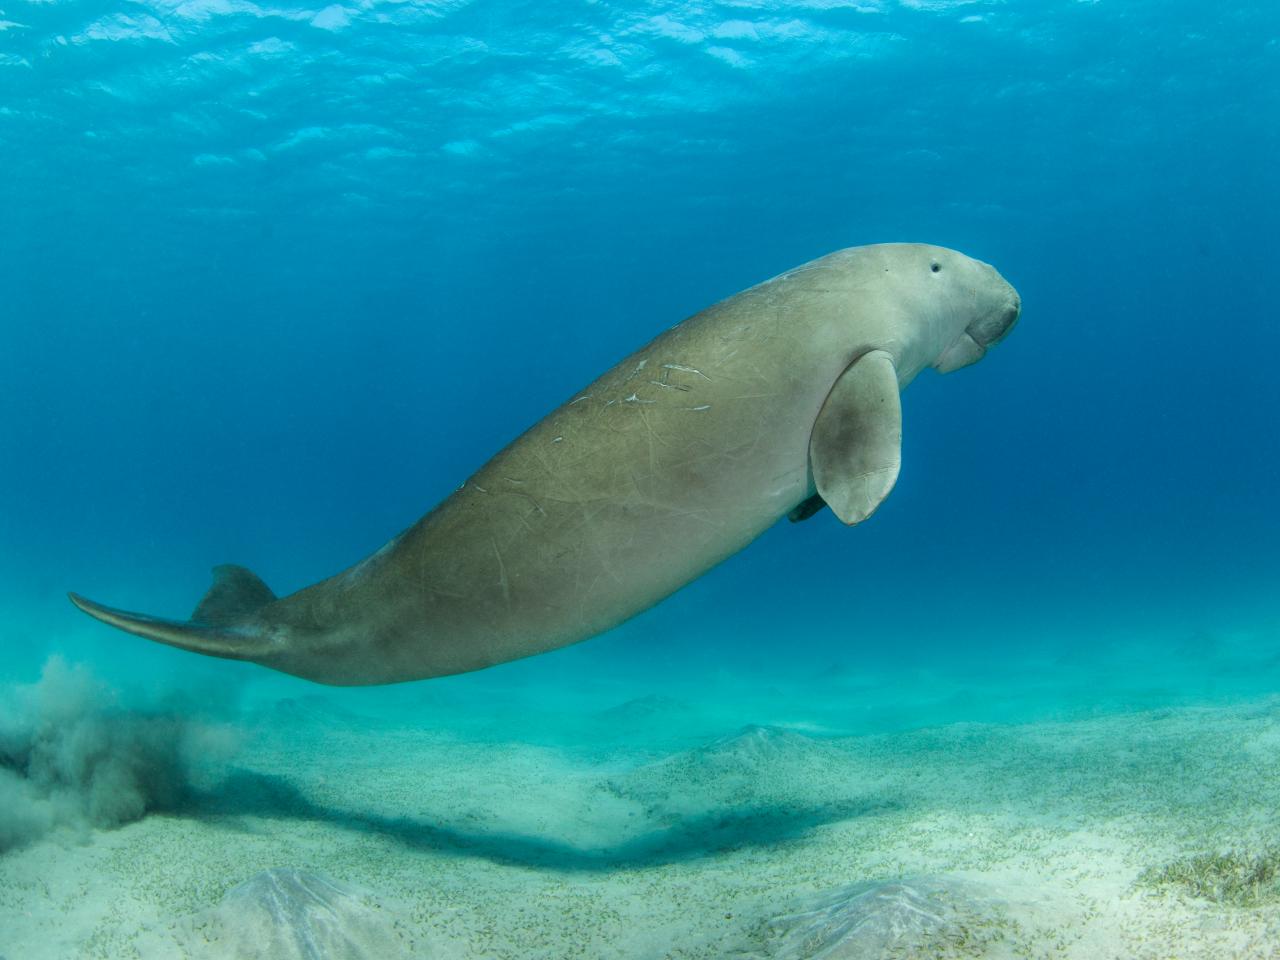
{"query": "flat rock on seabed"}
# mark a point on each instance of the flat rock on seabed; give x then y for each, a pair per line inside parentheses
(288, 914)
(903, 920)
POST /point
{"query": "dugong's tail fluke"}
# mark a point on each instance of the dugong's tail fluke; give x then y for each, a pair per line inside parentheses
(224, 623)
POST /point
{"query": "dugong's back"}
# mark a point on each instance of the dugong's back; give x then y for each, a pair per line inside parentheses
(671, 461)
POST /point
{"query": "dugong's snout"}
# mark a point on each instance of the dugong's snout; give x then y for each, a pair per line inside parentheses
(995, 326)
(988, 329)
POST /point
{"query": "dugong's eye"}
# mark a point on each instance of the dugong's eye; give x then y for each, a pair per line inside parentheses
(935, 266)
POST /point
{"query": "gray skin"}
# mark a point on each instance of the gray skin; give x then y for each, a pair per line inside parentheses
(781, 399)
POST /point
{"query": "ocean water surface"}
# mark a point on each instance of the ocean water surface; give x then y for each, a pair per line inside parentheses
(277, 277)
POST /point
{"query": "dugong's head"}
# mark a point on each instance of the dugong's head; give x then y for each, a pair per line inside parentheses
(975, 307)
(928, 306)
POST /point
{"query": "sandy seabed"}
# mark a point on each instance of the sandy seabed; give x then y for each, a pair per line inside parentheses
(681, 822)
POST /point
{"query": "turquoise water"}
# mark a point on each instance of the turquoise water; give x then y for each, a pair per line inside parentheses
(277, 278)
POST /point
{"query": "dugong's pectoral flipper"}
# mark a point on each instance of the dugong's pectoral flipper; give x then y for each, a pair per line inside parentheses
(223, 624)
(856, 445)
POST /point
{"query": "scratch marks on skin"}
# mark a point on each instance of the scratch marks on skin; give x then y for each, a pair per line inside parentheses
(666, 377)
(502, 573)
(514, 482)
(652, 440)
(532, 502)
(683, 369)
(663, 379)
(670, 386)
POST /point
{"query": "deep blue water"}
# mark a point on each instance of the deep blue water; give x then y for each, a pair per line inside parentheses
(275, 278)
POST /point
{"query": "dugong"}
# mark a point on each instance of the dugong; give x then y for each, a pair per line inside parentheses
(780, 400)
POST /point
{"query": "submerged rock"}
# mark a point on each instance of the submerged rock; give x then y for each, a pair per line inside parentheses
(288, 914)
(904, 920)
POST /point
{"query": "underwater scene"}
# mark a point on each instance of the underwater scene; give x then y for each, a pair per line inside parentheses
(884, 391)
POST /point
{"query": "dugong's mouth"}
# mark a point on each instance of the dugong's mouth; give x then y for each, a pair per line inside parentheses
(985, 332)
